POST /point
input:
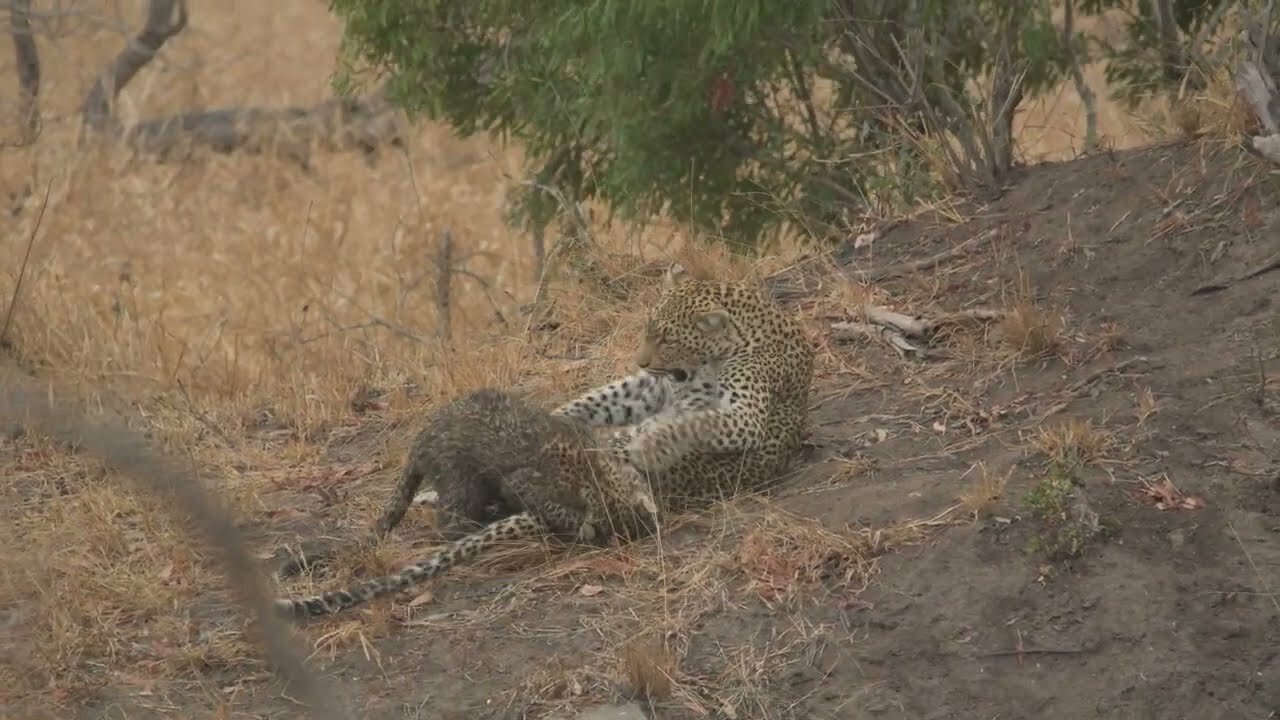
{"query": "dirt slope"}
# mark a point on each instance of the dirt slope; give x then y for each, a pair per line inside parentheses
(1173, 615)
(1145, 613)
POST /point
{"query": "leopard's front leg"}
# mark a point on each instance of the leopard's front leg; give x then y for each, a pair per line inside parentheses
(622, 402)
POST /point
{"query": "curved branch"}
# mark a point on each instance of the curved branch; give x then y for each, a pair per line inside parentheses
(341, 124)
(28, 60)
(165, 19)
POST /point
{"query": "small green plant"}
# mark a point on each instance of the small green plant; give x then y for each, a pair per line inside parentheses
(1168, 44)
(1066, 522)
(1032, 546)
(1068, 542)
(1050, 498)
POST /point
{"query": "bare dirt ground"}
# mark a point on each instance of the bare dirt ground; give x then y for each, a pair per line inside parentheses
(1073, 513)
(1168, 613)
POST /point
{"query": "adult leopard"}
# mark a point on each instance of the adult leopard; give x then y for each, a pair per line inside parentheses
(721, 401)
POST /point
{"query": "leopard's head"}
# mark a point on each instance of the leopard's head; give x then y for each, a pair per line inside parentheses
(688, 328)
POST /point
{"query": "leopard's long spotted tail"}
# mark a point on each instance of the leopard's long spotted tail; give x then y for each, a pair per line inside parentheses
(522, 525)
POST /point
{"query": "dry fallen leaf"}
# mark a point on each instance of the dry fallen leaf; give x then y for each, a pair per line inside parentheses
(1193, 502)
(345, 473)
(1164, 495)
(590, 590)
(603, 566)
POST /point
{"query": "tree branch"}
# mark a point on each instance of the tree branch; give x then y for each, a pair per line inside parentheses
(336, 124)
(1173, 54)
(28, 61)
(444, 287)
(1087, 98)
(1256, 83)
(165, 19)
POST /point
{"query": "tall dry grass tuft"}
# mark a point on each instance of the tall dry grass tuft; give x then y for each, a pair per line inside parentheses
(648, 667)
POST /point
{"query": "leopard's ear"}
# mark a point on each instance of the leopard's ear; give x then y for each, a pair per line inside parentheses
(675, 275)
(714, 322)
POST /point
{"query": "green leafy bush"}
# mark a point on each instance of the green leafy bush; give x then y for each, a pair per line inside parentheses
(737, 117)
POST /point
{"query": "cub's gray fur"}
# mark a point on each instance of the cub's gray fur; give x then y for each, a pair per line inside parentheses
(490, 454)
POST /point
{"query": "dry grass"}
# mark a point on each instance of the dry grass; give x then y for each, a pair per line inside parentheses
(985, 490)
(234, 306)
(660, 596)
(1074, 443)
(648, 666)
(1029, 328)
(1147, 405)
(1032, 331)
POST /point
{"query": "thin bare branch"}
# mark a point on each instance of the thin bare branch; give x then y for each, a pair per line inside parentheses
(1087, 98)
(28, 62)
(444, 287)
(1173, 51)
(22, 270)
(165, 19)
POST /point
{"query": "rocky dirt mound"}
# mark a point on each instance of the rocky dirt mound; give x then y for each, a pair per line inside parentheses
(1127, 567)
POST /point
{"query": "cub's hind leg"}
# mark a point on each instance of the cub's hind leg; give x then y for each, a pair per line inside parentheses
(546, 497)
(410, 480)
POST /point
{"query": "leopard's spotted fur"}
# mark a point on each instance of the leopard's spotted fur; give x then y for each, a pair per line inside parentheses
(721, 401)
(513, 469)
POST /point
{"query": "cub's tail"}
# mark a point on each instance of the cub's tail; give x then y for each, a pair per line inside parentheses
(522, 525)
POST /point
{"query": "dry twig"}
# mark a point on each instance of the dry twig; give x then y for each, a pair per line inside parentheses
(28, 61)
(907, 335)
(444, 287)
(1271, 263)
(165, 19)
(22, 270)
